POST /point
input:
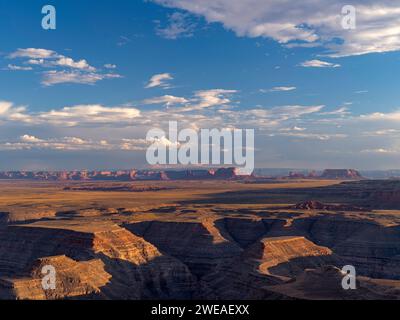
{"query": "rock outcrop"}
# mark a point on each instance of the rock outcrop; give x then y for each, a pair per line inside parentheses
(341, 174)
(72, 280)
(135, 269)
(289, 255)
(316, 205)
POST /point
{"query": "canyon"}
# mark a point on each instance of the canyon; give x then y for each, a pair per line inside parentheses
(212, 239)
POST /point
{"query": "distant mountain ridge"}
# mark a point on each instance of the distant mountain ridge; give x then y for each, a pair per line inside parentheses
(160, 175)
(123, 175)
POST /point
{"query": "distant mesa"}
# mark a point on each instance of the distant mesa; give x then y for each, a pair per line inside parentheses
(328, 174)
(226, 173)
(300, 175)
(341, 174)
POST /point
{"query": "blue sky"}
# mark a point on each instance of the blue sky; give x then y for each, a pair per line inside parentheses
(81, 96)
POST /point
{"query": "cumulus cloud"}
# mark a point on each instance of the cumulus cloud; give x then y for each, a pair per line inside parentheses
(28, 138)
(39, 56)
(60, 68)
(8, 111)
(68, 62)
(159, 80)
(82, 114)
(167, 100)
(164, 141)
(319, 64)
(35, 61)
(305, 23)
(30, 142)
(33, 53)
(133, 144)
(204, 99)
(70, 116)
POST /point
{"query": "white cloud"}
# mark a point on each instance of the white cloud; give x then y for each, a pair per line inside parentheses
(384, 132)
(214, 108)
(305, 23)
(33, 53)
(343, 111)
(56, 77)
(209, 98)
(72, 71)
(68, 62)
(278, 89)
(28, 138)
(179, 26)
(380, 151)
(159, 80)
(133, 144)
(168, 100)
(294, 111)
(295, 128)
(29, 142)
(110, 66)
(86, 114)
(315, 136)
(18, 68)
(272, 118)
(378, 116)
(5, 106)
(319, 64)
(8, 111)
(35, 61)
